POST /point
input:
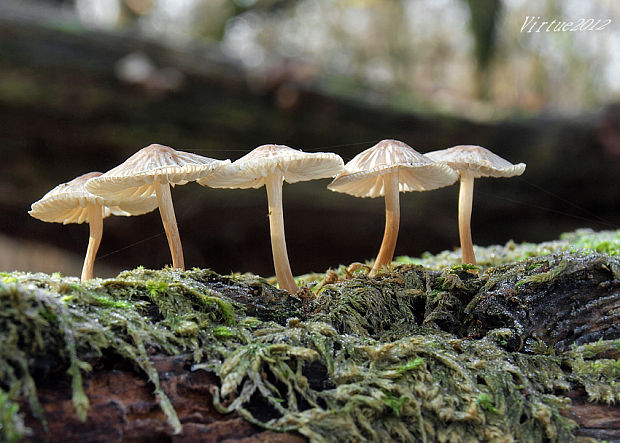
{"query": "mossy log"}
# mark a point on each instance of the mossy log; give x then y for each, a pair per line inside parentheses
(525, 351)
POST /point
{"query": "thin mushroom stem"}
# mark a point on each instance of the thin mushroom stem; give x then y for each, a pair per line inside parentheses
(466, 196)
(166, 209)
(273, 183)
(392, 222)
(95, 223)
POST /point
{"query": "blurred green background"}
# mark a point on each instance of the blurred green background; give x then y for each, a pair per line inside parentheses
(86, 83)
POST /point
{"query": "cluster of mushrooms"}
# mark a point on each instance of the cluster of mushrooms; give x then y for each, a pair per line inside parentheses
(143, 181)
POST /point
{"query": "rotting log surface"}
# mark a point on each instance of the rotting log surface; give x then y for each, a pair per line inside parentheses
(556, 299)
(123, 408)
(541, 306)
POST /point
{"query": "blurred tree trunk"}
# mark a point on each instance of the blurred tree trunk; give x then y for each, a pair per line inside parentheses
(483, 21)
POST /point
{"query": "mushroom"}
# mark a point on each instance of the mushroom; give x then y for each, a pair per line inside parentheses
(152, 170)
(71, 203)
(472, 162)
(386, 169)
(271, 165)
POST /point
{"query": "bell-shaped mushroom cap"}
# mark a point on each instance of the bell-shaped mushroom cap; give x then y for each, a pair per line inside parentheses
(134, 178)
(251, 170)
(363, 175)
(478, 160)
(68, 203)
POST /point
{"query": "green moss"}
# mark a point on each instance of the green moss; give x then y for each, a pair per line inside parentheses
(392, 358)
(393, 402)
(7, 277)
(463, 267)
(104, 300)
(606, 242)
(372, 399)
(596, 366)
(186, 328)
(543, 277)
(32, 311)
(582, 240)
(411, 364)
(156, 288)
(384, 307)
(486, 403)
(223, 332)
(12, 427)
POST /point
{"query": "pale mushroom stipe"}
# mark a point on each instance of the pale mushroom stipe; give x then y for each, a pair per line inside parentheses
(472, 162)
(386, 169)
(71, 203)
(152, 170)
(270, 166)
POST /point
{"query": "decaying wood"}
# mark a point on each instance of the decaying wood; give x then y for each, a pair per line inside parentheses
(562, 301)
(595, 420)
(555, 300)
(123, 408)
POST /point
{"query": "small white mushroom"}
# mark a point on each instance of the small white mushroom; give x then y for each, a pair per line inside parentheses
(152, 170)
(270, 166)
(472, 162)
(386, 169)
(71, 203)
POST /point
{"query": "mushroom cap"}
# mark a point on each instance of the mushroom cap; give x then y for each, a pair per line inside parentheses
(478, 160)
(68, 203)
(363, 176)
(134, 178)
(251, 170)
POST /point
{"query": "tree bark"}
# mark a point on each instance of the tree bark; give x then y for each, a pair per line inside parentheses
(123, 408)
